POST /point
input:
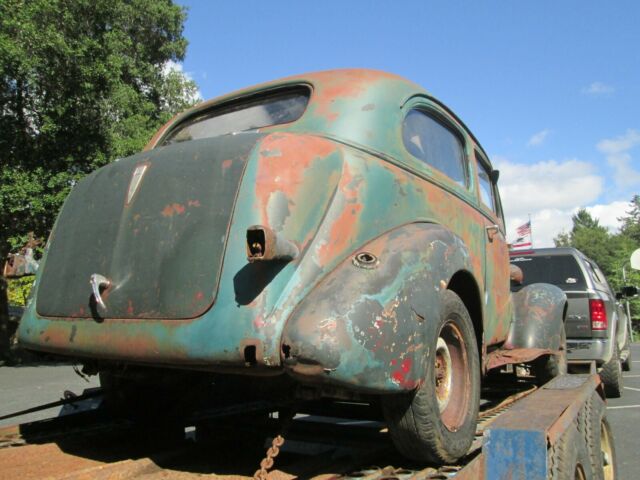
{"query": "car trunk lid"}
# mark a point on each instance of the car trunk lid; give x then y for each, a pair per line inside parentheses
(154, 225)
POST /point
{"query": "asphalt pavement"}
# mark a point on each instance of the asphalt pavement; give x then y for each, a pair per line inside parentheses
(624, 416)
(22, 387)
(27, 386)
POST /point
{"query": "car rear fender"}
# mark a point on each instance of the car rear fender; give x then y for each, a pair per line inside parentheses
(369, 324)
(538, 320)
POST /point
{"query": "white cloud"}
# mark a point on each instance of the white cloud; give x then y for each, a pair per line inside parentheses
(618, 157)
(171, 66)
(547, 223)
(608, 214)
(598, 88)
(547, 185)
(550, 191)
(538, 138)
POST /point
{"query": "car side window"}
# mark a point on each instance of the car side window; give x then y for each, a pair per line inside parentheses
(601, 277)
(484, 184)
(429, 139)
(594, 272)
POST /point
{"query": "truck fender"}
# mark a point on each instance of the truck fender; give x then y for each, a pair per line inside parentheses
(368, 324)
(538, 321)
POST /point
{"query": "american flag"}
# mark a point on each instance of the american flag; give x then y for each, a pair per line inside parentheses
(520, 242)
(524, 229)
(524, 241)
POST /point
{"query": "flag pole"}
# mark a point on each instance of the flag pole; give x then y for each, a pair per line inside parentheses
(530, 231)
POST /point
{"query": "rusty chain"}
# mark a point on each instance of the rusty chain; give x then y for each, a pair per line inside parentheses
(272, 452)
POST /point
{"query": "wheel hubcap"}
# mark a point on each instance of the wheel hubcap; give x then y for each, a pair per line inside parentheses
(607, 453)
(443, 374)
(452, 376)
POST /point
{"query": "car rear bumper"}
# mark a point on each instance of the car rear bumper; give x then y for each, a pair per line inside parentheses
(598, 349)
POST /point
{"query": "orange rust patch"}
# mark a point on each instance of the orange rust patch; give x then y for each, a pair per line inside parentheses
(259, 322)
(226, 164)
(342, 229)
(285, 173)
(173, 209)
(347, 84)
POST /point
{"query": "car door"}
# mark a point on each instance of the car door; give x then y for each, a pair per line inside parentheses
(497, 294)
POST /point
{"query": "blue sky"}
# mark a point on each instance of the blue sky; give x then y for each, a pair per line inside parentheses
(551, 89)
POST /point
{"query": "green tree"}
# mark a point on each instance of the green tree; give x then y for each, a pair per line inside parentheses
(592, 239)
(631, 222)
(630, 231)
(611, 251)
(82, 82)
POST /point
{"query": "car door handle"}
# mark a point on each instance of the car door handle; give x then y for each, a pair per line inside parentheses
(492, 231)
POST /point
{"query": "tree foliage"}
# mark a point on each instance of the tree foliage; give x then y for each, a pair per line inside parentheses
(631, 222)
(82, 82)
(611, 251)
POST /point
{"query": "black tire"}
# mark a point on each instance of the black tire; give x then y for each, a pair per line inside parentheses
(436, 423)
(548, 367)
(626, 364)
(596, 430)
(569, 458)
(611, 375)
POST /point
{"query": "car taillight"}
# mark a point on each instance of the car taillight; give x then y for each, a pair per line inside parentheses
(598, 315)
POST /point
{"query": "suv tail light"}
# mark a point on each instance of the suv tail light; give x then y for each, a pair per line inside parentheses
(598, 315)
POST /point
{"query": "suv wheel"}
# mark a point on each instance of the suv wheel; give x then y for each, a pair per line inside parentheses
(626, 364)
(611, 375)
(437, 422)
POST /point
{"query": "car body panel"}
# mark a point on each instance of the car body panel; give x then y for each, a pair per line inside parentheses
(335, 182)
(147, 237)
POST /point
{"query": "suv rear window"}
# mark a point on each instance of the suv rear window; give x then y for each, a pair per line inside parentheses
(560, 270)
(247, 114)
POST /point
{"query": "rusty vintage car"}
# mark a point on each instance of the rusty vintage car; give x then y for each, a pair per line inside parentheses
(330, 235)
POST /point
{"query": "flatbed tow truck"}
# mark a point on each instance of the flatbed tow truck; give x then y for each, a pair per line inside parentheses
(557, 431)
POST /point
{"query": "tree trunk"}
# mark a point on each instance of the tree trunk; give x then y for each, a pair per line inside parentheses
(4, 320)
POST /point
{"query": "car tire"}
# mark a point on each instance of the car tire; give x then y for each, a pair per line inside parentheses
(626, 364)
(569, 457)
(595, 428)
(436, 423)
(611, 375)
(547, 367)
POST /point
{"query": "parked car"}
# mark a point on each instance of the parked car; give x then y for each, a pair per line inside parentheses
(331, 235)
(597, 326)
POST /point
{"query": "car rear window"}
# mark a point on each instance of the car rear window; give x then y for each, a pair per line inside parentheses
(247, 114)
(560, 270)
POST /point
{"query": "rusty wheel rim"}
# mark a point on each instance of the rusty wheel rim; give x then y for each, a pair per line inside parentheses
(452, 376)
(607, 452)
(443, 374)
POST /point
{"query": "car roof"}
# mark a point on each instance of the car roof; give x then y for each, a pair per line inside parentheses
(551, 251)
(330, 89)
(548, 251)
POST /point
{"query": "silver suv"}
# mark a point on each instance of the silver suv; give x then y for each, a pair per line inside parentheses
(596, 325)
